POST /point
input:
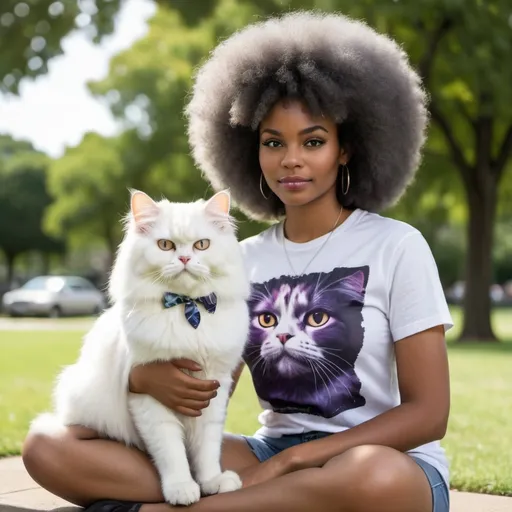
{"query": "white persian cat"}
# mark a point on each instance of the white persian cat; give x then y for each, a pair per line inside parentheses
(179, 291)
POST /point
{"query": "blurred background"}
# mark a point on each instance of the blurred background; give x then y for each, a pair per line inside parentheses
(91, 101)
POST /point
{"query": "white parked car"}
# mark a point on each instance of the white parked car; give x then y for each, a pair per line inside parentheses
(54, 296)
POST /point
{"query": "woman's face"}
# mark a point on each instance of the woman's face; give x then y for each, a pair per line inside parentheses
(299, 153)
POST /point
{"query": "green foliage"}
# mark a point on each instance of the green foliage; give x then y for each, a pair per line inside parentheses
(90, 193)
(460, 48)
(23, 199)
(147, 88)
(34, 30)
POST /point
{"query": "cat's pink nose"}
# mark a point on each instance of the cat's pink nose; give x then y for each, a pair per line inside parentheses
(283, 338)
(184, 259)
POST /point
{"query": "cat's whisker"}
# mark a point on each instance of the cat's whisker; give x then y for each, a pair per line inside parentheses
(332, 364)
(263, 362)
(326, 366)
(157, 279)
(259, 360)
(332, 377)
(319, 371)
(253, 351)
(155, 273)
(313, 371)
(336, 356)
(327, 369)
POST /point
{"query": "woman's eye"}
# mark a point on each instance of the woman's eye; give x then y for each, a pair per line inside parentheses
(202, 245)
(271, 143)
(317, 318)
(314, 143)
(267, 320)
(166, 245)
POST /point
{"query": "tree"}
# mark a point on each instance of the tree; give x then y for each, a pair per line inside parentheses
(35, 29)
(23, 199)
(147, 89)
(460, 49)
(90, 193)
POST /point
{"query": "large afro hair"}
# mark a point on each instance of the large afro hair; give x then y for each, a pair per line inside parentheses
(341, 68)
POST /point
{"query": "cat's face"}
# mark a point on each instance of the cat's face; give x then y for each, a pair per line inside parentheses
(296, 328)
(305, 336)
(182, 243)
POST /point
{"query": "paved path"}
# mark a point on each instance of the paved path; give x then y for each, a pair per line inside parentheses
(19, 493)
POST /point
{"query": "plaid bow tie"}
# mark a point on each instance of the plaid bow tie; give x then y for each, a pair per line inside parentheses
(191, 310)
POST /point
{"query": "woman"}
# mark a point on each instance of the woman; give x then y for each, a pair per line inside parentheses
(316, 121)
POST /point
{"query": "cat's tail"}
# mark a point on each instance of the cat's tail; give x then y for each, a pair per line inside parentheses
(48, 424)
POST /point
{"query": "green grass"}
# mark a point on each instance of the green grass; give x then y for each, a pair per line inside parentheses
(29, 361)
(478, 442)
(501, 320)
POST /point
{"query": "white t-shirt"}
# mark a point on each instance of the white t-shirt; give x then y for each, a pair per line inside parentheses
(320, 348)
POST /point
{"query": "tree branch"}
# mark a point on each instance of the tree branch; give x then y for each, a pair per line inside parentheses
(465, 113)
(504, 153)
(456, 152)
(426, 63)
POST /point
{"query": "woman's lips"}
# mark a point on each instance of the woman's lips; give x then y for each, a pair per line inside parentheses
(294, 182)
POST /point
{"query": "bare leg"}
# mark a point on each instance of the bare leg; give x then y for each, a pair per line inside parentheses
(80, 468)
(363, 479)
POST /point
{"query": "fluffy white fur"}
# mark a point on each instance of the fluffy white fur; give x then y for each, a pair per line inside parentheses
(137, 329)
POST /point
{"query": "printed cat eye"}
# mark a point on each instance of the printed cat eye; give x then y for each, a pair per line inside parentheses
(166, 245)
(202, 245)
(267, 320)
(317, 318)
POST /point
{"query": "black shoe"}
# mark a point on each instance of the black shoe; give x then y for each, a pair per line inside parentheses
(113, 506)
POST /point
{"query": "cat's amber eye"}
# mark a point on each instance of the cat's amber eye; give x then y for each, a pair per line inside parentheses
(267, 320)
(166, 245)
(202, 245)
(317, 318)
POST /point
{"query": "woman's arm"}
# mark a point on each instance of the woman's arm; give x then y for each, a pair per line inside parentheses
(422, 416)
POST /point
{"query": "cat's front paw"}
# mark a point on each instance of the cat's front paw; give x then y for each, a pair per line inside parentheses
(181, 493)
(223, 482)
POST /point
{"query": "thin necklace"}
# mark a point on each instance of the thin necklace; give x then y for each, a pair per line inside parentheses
(316, 253)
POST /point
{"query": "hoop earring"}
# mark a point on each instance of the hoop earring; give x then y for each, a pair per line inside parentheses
(344, 190)
(261, 187)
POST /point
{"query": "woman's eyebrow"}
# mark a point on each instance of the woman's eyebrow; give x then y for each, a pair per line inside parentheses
(302, 132)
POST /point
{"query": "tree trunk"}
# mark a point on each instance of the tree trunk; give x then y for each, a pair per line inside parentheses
(10, 257)
(45, 263)
(482, 191)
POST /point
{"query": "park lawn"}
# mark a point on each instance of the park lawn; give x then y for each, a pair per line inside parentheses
(478, 442)
(29, 361)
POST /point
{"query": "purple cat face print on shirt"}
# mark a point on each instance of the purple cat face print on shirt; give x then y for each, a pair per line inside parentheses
(305, 336)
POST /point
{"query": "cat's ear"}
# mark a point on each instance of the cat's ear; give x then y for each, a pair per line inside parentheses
(217, 208)
(144, 210)
(220, 203)
(354, 286)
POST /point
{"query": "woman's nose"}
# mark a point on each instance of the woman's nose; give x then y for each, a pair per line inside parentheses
(292, 158)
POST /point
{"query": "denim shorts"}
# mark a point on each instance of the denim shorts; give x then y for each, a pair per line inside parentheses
(265, 447)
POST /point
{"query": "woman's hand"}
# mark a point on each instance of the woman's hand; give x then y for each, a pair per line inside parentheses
(165, 382)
